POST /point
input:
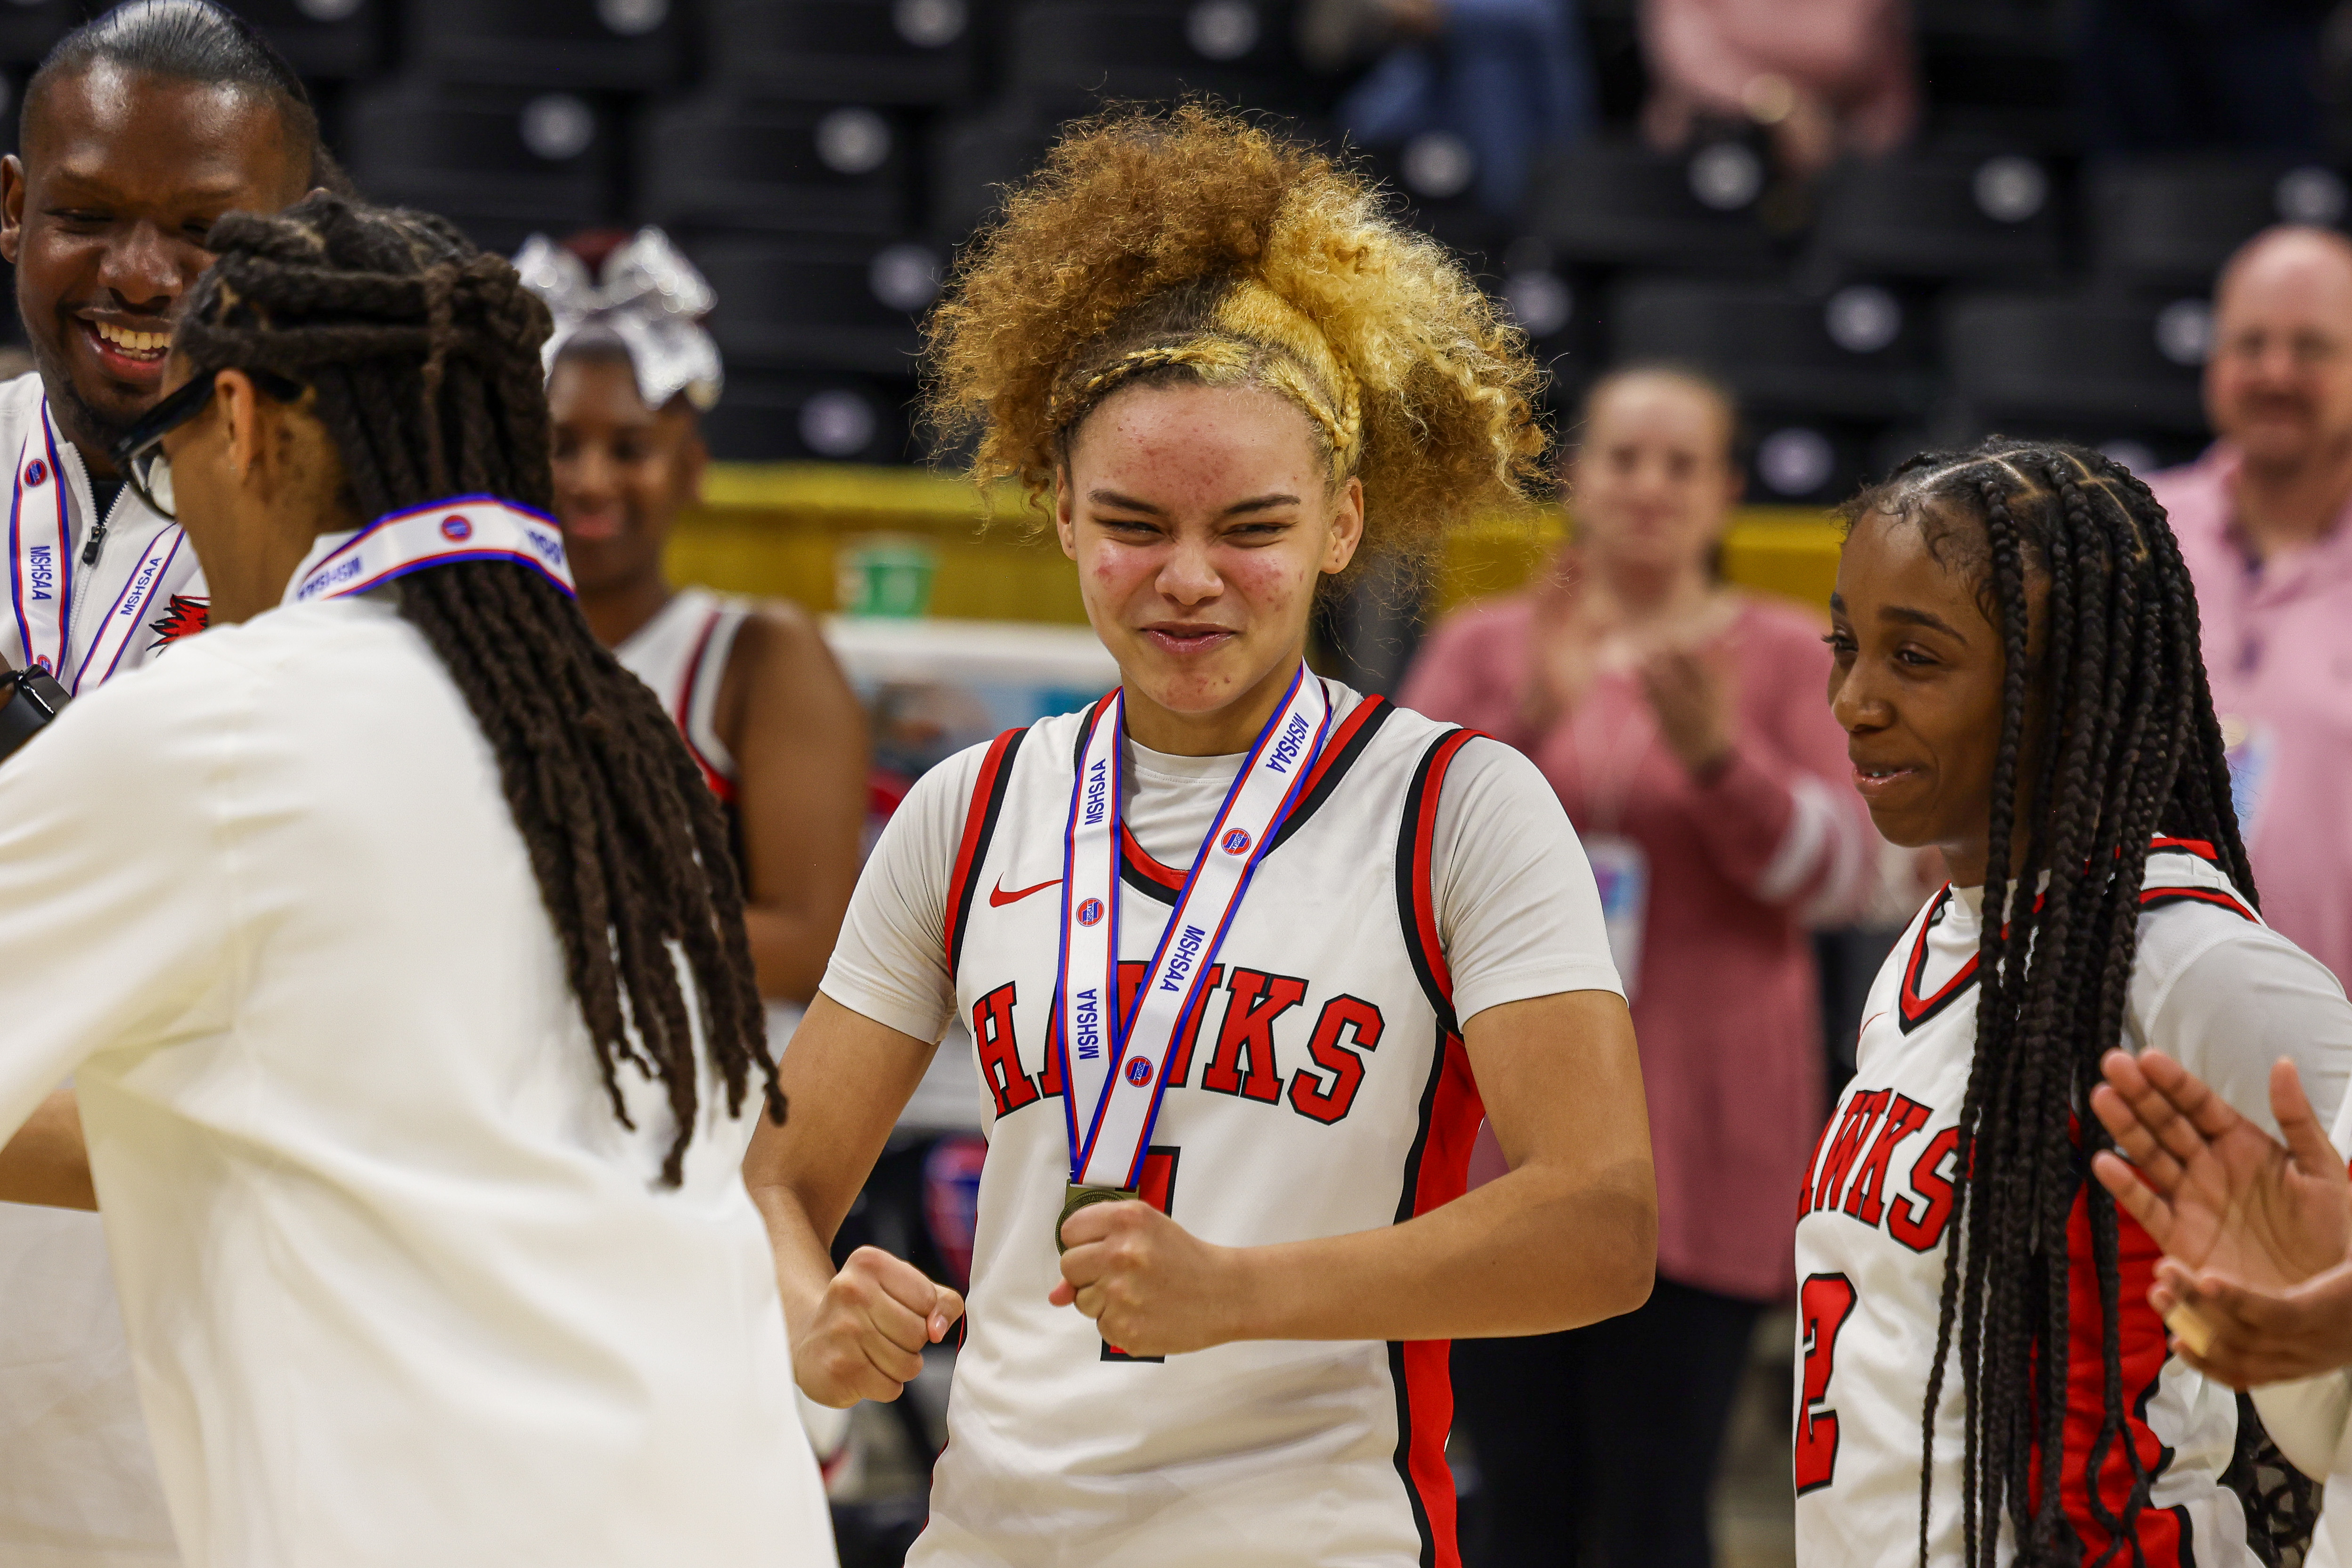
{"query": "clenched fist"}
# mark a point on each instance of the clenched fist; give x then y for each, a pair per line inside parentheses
(1151, 1286)
(866, 1339)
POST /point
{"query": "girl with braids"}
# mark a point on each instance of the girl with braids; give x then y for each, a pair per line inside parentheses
(1210, 1323)
(414, 1031)
(2017, 674)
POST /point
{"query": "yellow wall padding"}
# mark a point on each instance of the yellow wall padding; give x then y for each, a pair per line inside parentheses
(772, 528)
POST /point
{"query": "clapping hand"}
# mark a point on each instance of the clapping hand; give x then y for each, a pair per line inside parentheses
(1690, 689)
(2255, 1283)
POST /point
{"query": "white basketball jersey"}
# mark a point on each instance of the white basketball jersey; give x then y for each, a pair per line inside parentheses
(1323, 1090)
(682, 653)
(1873, 1213)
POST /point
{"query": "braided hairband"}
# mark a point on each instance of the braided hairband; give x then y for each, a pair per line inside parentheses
(1249, 318)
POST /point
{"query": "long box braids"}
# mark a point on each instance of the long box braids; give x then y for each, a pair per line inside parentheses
(423, 357)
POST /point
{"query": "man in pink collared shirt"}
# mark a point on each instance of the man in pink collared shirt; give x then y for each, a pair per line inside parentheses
(2264, 520)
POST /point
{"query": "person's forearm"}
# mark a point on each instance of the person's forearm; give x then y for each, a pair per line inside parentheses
(804, 1261)
(789, 952)
(1533, 1252)
(46, 1162)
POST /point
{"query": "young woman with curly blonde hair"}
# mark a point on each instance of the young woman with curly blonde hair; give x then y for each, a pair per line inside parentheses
(1244, 954)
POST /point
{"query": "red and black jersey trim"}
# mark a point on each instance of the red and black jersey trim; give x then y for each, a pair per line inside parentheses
(2095, 1477)
(1086, 729)
(1416, 902)
(979, 829)
(1913, 1009)
(2157, 897)
(2197, 846)
(1341, 749)
(1150, 877)
(721, 785)
(1436, 1170)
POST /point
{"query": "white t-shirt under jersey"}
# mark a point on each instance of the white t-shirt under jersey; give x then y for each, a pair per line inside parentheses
(1515, 912)
(400, 1288)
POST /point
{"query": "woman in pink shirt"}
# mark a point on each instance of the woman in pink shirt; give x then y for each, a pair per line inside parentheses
(1681, 722)
(1822, 77)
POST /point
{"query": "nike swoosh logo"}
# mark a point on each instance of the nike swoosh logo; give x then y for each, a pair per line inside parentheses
(998, 897)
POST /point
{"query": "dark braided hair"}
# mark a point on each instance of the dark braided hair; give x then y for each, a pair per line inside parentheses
(2110, 726)
(423, 354)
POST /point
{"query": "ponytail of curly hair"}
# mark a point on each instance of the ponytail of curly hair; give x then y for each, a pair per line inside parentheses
(421, 354)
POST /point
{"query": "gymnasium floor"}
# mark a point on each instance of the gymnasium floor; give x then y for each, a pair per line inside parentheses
(1755, 1510)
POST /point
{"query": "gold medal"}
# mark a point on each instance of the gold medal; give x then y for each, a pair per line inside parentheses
(1075, 1198)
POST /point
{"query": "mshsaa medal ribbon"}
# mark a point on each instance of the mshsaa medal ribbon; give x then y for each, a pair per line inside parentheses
(1113, 1059)
(463, 527)
(40, 562)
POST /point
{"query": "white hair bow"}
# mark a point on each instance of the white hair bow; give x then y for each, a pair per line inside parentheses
(651, 299)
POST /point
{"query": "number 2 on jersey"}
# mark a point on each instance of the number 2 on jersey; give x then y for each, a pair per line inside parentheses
(1823, 1306)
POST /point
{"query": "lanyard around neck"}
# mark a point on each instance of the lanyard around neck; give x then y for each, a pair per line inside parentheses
(463, 527)
(1114, 1059)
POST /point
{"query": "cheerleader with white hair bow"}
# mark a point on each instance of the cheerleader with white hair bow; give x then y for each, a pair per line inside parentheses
(754, 690)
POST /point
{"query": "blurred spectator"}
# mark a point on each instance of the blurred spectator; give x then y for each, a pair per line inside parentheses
(755, 692)
(1683, 723)
(2264, 520)
(1504, 78)
(1822, 76)
(2174, 75)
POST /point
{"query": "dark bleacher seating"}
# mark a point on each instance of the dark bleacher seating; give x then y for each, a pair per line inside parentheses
(12, 93)
(1609, 204)
(728, 163)
(1860, 354)
(1063, 55)
(2171, 225)
(329, 40)
(627, 46)
(1999, 68)
(870, 51)
(1988, 219)
(814, 136)
(2092, 367)
(972, 159)
(26, 30)
(1799, 459)
(766, 416)
(826, 305)
(502, 162)
(1436, 172)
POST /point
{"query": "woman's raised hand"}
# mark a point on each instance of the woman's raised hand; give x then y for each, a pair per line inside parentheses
(1690, 689)
(2255, 1232)
(1566, 648)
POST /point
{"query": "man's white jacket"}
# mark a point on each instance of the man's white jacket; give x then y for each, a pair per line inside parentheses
(77, 1483)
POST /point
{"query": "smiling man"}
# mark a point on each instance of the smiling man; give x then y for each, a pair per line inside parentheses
(2264, 520)
(138, 131)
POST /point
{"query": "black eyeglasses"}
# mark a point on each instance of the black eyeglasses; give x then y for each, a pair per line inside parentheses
(140, 451)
